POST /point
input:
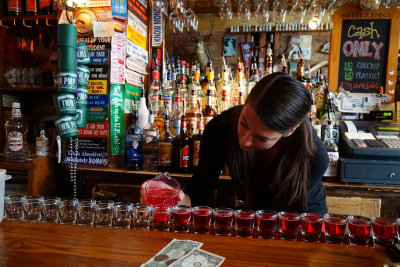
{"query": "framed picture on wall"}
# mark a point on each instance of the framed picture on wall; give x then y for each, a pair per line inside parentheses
(229, 46)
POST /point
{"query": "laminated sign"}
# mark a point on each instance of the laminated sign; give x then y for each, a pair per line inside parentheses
(97, 87)
(118, 59)
(157, 28)
(117, 119)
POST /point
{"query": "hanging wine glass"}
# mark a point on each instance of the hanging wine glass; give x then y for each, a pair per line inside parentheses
(279, 11)
(261, 11)
(296, 13)
(244, 12)
(225, 11)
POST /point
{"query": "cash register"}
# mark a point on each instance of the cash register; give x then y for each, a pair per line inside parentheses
(370, 150)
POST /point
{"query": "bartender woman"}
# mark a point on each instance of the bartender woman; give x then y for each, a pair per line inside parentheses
(275, 158)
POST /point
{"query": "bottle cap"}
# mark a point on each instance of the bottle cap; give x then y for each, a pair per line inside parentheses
(16, 105)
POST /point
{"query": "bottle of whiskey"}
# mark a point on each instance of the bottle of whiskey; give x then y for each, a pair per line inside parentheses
(269, 61)
(196, 142)
(177, 112)
(284, 65)
(300, 69)
(165, 145)
(209, 112)
(134, 144)
(16, 134)
(192, 110)
(181, 148)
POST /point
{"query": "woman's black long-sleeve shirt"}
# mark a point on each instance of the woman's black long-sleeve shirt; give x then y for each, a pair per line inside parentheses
(214, 149)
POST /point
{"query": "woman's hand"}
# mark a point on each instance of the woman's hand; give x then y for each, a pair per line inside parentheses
(182, 197)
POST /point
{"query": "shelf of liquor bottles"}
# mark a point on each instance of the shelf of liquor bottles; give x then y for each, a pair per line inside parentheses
(37, 17)
(51, 89)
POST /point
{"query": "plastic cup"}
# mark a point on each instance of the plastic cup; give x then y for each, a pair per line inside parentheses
(266, 223)
(335, 228)
(162, 190)
(311, 225)
(223, 218)
(289, 222)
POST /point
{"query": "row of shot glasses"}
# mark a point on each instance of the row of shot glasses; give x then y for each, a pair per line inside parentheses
(204, 219)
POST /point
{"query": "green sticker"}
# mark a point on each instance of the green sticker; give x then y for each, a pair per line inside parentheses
(132, 92)
(98, 114)
(117, 128)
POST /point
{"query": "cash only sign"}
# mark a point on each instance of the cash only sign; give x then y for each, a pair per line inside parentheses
(364, 50)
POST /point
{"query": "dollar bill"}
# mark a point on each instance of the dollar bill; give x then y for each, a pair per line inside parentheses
(175, 250)
(198, 257)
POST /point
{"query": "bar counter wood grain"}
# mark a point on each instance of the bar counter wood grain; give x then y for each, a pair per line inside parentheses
(41, 244)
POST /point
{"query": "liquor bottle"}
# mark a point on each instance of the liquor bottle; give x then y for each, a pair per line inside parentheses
(284, 65)
(181, 148)
(134, 144)
(300, 69)
(269, 61)
(212, 87)
(226, 91)
(333, 151)
(183, 90)
(309, 84)
(159, 112)
(238, 88)
(150, 144)
(319, 95)
(177, 112)
(16, 134)
(14, 7)
(165, 145)
(143, 111)
(253, 78)
(196, 141)
(42, 144)
(31, 7)
(192, 110)
(154, 90)
(169, 91)
(45, 7)
(209, 111)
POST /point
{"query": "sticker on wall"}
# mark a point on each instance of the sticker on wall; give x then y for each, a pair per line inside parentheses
(103, 29)
(134, 78)
(118, 8)
(117, 130)
(136, 51)
(157, 28)
(118, 59)
(97, 87)
(98, 57)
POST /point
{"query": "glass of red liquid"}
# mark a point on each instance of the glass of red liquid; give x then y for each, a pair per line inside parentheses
(201, 219)
(359, 230)
(266, 223)
(223, 218)
(398, 230)
(161, 214)
(181, 218)
(335, 228)
(244, 222)
(162, 190)
(311, 225)
(289, 222)
(383, 231)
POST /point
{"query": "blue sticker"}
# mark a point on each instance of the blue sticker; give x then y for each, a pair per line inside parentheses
(87, 158)
(119, 8)
(98, 57)
(97, 101)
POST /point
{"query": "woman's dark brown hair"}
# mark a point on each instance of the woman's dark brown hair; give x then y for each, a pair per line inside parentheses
(281, 102)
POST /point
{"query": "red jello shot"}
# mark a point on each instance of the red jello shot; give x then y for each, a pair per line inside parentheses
(244, 222)
(383, 231)
(359, 230)
(181, 218)
(311, 225)
(266, 223)
(223, 218)
(201, 219)
(335, 228)
(289, 222)
(161, 217)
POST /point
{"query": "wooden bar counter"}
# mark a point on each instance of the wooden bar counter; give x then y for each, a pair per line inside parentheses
(42, 244)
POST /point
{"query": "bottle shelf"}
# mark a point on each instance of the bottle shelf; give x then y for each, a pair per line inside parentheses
(8, 18)
(29, 89)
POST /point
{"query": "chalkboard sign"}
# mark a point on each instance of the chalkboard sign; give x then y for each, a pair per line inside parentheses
(364, 49)
(363, 55)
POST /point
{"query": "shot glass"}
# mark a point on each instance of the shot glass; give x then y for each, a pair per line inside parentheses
(32, 206)
(141, 217)
(181, 217)
(223, 218)
(161, 217)
(201, 219)
(266, 223)
(67, 211)
(335, 228)
(85, 212)
(244, 222)
(311, 225)
(289, 222)
(383, 231)
(103, 213)
(359, 230)
(49, 210)
(122, 215)
(14, 208)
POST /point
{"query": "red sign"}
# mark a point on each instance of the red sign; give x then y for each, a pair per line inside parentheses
(95, 129)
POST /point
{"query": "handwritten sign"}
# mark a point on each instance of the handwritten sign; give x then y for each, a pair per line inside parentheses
(364, 48)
